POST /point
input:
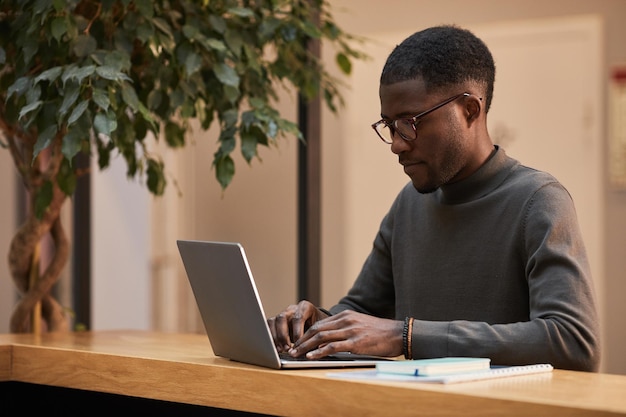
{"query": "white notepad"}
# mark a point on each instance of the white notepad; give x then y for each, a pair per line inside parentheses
(493, 372)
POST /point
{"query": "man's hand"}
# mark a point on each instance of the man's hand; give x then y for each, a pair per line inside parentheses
(347, 331)
(289, 326)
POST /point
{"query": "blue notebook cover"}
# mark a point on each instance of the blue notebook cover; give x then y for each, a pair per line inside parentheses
(435, 366)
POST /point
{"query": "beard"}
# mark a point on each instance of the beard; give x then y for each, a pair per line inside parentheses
(450, 160)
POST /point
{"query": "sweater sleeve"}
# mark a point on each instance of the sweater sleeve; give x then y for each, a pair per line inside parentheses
(563, 325)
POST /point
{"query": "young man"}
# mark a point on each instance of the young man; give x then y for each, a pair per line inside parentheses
(478, 255)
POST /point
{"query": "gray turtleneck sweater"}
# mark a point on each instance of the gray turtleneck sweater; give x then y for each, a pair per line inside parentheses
(491, 266)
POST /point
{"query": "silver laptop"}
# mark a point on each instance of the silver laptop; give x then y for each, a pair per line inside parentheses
(232, 312)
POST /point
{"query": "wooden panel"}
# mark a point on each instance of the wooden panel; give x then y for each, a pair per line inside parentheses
(5, 363)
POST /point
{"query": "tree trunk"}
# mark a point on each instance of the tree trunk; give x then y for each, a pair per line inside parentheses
(20, 255)
(30, 233)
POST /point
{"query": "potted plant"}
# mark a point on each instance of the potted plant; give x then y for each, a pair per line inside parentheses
(114, 76)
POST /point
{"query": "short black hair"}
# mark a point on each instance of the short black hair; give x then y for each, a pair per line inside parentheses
(442, 56)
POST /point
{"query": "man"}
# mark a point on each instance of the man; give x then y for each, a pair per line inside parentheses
(478, 255)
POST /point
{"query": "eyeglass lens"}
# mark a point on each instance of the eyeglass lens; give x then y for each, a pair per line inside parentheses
(403, 127)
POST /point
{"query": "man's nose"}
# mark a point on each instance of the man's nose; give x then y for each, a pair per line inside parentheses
(399, 145)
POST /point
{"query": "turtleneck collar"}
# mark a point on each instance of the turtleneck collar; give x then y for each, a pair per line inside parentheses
(482, 182)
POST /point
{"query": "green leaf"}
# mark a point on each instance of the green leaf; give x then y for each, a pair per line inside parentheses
(229, 117)
(224, 171)
(49, 74)
(80, 73)
(43, 199)
(33, 94)
(29, 50)
(110, 73)
(217, 23)
(204, 114)
(234, 41)
(268, 27)
(58, 28)
(78, 111)
(71, 95)
(145, 8)
(241, 11)
(248, 145)
(84, 45)
(187, 110)
(271, 129)
(232, 93)
(163, 26)
(154, 99)
(311, 30)
(216, 45)
(30, 107)
(72, 142)
(140, 126)
(177, 98)
(66, 178)
(18, 87)
(130, 96)
(145, 32)
(226, 74)
(190, 31)
(174, 135)
(104, 152)
(105, 123)
(344, 63)
(227, 141)
(193, 63)
(147, 116)
(156, 178)
(44, 140)
(101, 98)
(118, 60)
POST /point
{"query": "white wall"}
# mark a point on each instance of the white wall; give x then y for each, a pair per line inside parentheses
(121, 290)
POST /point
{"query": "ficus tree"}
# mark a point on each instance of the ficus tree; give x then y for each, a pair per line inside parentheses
(110, 78)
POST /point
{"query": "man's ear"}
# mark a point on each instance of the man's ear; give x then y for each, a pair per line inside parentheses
(473, 107)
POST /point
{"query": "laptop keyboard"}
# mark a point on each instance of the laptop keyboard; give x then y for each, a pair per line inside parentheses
(287, 357)
(342, 356)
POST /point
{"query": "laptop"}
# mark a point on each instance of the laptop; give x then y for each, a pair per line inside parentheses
(232, 313)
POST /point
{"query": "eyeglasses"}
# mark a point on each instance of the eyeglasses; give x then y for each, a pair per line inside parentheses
(407, 128)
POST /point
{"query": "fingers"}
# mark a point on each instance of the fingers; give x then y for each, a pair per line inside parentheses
(304, 316)
(323, 338)
(350, 332)
(280, 330)
(289, 325)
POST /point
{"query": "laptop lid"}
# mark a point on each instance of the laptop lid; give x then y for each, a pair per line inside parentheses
(231, 309)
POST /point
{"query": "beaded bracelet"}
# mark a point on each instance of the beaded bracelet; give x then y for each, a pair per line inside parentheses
(407, 333)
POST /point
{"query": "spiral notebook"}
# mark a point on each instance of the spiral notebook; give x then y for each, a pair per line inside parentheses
(492, 373)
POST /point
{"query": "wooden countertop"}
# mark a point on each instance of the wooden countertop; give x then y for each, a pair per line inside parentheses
(182, 368)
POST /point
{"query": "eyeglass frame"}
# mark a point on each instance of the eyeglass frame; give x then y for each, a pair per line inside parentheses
(414, 120)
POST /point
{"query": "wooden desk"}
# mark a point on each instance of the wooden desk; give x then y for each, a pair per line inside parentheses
(181, 368)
